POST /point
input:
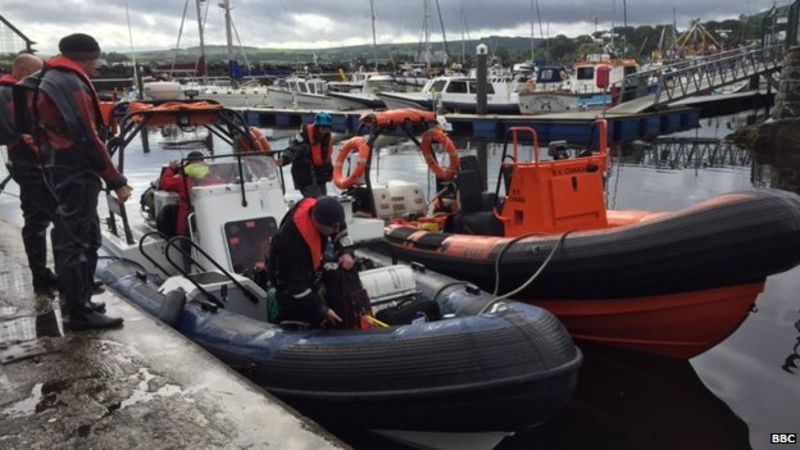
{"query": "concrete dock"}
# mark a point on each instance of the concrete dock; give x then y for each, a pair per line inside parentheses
(140, 386)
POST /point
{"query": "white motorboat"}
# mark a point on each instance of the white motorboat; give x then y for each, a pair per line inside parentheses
(459, 94)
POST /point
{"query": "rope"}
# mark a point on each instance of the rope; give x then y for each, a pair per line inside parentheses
(529, 280)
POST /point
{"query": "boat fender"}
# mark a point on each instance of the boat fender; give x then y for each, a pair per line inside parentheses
(172, 307)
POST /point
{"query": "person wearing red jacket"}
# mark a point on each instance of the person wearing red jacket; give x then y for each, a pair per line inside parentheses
(66, 125)
(23, 166)
(181, 181)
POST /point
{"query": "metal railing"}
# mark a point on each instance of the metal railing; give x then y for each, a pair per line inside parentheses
(684, 79)
(696, 153)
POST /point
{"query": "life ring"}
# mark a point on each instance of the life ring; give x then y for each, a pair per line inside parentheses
(356, 143)
(438, 136)
(257, 140)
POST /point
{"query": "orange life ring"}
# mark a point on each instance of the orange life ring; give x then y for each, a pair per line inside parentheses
(438, 136)
(356, 143)
(257, 140)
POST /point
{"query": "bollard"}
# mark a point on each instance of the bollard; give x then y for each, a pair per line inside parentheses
(482, 54)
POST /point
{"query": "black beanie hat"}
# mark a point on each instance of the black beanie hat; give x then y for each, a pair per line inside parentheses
(194, 155)
(328, 211)
(79, 47)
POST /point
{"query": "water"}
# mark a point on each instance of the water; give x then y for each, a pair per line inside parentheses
(730, 397)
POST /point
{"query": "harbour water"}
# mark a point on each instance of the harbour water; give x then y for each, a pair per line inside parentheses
(731, 397)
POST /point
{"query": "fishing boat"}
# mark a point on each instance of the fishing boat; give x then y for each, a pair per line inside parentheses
(582, 91)
(301, 92)
(472, 362)
(671, 283)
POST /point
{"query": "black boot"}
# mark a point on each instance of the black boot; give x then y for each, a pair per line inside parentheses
(45, 281)
(99, 307)
(86, 319)
(97, 288)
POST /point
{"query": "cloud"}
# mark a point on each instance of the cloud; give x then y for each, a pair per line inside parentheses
(324, 23)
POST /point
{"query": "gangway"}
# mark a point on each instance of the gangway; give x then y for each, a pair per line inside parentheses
(684, 79)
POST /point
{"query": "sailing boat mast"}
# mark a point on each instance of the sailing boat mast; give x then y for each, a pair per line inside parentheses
(204, 68)
(427, 36)
(374, 39)
(533, 42)
(226, 6)
(463, 42)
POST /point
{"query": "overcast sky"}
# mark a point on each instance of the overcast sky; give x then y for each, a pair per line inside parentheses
(326, 23)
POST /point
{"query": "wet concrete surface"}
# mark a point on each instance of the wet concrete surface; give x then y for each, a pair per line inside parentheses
(140, 386)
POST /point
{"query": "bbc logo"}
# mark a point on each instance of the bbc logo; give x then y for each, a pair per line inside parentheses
(783, 438)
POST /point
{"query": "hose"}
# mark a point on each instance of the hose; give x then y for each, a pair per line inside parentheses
(530, 280)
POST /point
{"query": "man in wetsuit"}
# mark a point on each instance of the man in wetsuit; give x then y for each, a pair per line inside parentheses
(310, 157)
(66, 128)
(23, 165)
(296, 258)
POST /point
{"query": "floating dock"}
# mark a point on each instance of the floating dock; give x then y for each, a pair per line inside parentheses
(573, 127)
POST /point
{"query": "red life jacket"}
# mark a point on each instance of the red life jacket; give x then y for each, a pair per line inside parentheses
(8, 80)
(62, 63)
(305, 225)
(318, 156)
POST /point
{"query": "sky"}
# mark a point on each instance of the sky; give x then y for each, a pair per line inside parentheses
(307, 24)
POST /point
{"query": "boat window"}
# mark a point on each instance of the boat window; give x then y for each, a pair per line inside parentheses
(302, 86)
(248, 241)
(257, 167)
(546, 75)
(473, 88)
(585, 73)
(438, 86)
(457, 87)
(629, 70)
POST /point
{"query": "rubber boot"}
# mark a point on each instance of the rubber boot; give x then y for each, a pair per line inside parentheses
(44, 281)
(83, 318)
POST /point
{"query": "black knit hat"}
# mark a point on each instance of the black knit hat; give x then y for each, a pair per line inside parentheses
(328, 211)
(79, 47)
(194, 156)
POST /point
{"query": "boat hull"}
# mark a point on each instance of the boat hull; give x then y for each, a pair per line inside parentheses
(675, 325)
(477, 372)
(666, 269)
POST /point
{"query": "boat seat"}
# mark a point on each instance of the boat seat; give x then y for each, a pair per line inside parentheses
(472, 195)
(482, 223)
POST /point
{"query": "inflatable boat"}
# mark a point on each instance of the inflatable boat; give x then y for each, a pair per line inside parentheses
(466, 361)
(671, 283)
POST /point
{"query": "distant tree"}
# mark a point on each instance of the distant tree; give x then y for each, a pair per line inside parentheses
(114, 57)
(561, 49)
